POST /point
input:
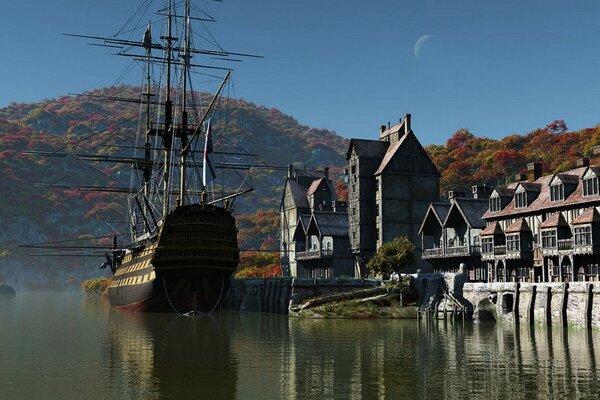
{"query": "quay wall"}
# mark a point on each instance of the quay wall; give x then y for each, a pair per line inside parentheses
(276, 295)
(573, 303)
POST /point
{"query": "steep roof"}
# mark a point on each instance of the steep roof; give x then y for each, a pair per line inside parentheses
(298, 193)
(408, 146)
(438, 211)
(367, 148)
(492, 229)
(587, 216)
(301, 227)
(316, 183)
(472, 210)
(553, 221)
(519, 225)
(331, 223)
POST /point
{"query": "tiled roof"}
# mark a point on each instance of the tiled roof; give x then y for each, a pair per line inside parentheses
(331, 223)
(569, 179)
(408, 143)
(519, 225)
(505, 192)
(298, 194)
(531, 187)
(315, 185)
(367, 148)
(542, 202)
(587, 216)
(554, 220)
(492, 229)
(472, 210)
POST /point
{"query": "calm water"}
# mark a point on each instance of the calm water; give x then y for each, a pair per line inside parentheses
(64, 346)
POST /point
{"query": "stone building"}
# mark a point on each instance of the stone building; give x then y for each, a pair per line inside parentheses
(391, 182)
(314, 227)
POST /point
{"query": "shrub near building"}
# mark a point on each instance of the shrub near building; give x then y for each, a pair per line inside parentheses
(397, 255)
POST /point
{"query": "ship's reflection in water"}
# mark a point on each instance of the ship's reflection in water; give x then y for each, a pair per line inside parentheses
(262, 356)
(163, 356)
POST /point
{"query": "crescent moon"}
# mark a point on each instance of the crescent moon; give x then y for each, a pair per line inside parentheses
(419, 43)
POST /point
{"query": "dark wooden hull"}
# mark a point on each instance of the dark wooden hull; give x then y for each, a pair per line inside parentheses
(187, 267)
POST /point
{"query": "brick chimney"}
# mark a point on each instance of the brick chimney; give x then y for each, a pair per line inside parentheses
(326, 172)
(534, 171)
(595, 157)
(583, 162)
(290, 171)
(481, 192)
(521, 177)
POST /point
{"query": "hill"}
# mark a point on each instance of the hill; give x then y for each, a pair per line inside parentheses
(31, 214)
(467, 160)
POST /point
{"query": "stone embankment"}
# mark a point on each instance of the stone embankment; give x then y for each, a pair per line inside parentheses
(277, 295)
(574, 303)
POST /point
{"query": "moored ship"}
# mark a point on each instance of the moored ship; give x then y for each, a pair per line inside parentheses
(181, 246)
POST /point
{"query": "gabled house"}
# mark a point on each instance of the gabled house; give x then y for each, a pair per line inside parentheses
(314, 227)
(456, 239)
(549, 230)
(391, 182)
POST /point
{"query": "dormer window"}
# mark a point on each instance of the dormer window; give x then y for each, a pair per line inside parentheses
(495, 204)
(557, 192)
(590, 186)
(521, 199)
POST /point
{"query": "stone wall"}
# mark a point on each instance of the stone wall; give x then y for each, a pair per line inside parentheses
(276, 295)
(574, 303)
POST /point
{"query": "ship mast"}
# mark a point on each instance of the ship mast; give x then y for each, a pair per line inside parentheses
(184, 116)
(168, 126)
(148, 94)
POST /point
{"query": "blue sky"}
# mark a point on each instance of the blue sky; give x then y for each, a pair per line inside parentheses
(494, 67)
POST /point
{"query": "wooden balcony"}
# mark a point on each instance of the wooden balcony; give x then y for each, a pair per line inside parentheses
(449, 252)
(314, 255)
(433, 253)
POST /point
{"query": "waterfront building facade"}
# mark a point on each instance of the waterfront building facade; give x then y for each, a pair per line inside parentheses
(544, 228)
(450, 233)
(391, 182)
(314, 227)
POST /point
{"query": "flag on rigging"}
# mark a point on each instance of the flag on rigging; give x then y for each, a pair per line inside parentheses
(148, 36)
(207, 163)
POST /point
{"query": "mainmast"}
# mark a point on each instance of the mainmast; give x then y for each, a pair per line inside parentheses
(168, 126)
(148, 94)
(183, 133)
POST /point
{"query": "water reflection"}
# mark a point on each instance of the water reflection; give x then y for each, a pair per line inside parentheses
(165, 356)
(55, 345)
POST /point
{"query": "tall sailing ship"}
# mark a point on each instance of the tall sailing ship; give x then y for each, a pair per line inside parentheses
(181, 248)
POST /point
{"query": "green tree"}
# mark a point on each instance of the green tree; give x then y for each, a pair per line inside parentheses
(397, 255)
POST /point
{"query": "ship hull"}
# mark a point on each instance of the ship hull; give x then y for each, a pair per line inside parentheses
(186, 268)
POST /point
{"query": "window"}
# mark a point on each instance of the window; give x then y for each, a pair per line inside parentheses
(557, 192)
(583, 235)
(590, 186)
(353, 169)
(521, 199)
(495, 204)
(512, 242)
(549, 239)
(487, 245)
